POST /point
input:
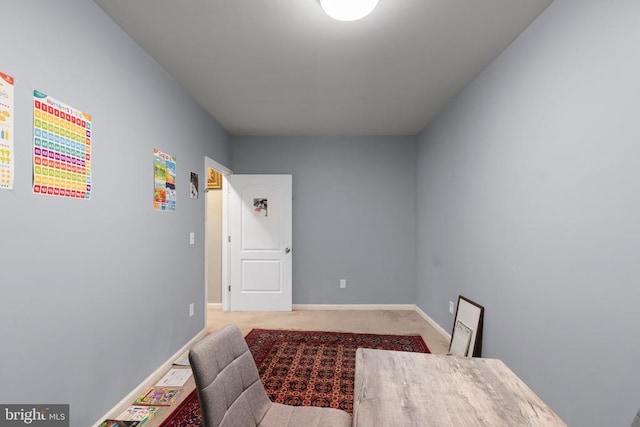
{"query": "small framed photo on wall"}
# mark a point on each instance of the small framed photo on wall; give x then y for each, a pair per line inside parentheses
(214, 179)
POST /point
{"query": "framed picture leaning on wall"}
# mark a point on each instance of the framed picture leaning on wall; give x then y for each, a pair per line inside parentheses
(467, 325)
(460, 340)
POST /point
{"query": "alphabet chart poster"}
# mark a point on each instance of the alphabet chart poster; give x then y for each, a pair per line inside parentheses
(61, 149)
(6, 131)
(164, 178)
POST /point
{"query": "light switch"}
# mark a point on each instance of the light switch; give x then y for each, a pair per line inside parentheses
(192, 238)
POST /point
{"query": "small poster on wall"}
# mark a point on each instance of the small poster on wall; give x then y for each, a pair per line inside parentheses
(61, 149)
(193, 186)
(6, 131)
(164, 176)
(260, 207)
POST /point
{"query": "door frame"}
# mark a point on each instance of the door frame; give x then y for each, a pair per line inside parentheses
(210, 163)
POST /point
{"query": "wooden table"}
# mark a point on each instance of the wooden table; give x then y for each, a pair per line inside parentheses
(395, 388)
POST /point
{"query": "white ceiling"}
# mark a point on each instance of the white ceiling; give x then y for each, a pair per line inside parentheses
(282, 67)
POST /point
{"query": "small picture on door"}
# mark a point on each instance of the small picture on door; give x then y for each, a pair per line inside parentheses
(260, 207)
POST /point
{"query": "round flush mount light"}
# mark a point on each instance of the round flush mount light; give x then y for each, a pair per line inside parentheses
(348, 10)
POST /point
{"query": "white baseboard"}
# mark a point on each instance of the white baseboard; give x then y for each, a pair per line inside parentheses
(302, 307)
(433, 323)
(149, 381)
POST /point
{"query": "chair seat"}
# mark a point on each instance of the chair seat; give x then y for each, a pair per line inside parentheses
(231, 393)
(304, 416)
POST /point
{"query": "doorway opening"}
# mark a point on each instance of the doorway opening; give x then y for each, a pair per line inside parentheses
(215, 188)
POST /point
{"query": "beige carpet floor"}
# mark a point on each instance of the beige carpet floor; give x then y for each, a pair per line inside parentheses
(401, 322)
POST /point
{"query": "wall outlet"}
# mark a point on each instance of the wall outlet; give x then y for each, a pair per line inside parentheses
(343, 283)
(191, 310)
(451, 307)
(192, 238)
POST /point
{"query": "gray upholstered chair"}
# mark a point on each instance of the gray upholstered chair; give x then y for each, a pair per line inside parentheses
(231, 394)
(636, 420)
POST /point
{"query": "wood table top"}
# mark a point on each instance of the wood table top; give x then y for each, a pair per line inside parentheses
(394, 388)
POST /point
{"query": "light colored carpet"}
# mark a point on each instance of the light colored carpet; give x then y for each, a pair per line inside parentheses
(401, 322)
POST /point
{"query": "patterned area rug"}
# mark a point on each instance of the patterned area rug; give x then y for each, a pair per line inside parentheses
(305, 368)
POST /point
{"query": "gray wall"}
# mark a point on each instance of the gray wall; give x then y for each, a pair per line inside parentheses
(528, 203)
(353, 214)
(95, 294)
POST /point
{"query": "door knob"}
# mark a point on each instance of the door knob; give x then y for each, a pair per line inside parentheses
(287, 250)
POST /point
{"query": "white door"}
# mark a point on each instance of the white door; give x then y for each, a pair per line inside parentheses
(260, 242)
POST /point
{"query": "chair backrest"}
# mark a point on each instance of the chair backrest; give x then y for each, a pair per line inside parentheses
(227, 380)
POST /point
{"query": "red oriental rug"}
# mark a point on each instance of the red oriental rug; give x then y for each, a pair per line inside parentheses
(305, 368)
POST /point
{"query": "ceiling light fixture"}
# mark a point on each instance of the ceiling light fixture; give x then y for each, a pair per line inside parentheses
(348, 10)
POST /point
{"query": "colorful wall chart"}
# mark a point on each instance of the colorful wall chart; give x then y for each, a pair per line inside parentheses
(164, 176)
(6, 131)
(61, 149)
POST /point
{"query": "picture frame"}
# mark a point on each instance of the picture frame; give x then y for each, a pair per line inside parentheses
(470, 315)
(460, 340)
(193, 185)
(214, 179)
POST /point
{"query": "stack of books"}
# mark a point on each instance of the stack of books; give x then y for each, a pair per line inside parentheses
(164, 393)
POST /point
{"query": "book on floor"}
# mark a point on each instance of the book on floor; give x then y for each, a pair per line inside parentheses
(183, 360)
(158, 396)
(138, 413)
(120, 423)
(175, 378)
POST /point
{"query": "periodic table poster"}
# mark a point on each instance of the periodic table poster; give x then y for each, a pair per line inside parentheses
(61, 149)
(6, 132)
